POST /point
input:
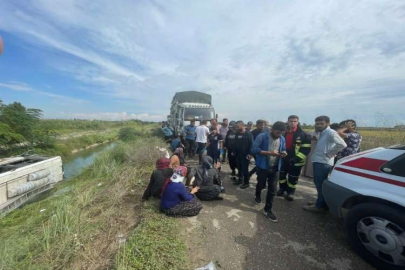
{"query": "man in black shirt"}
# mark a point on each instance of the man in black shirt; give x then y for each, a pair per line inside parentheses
(244, 142)
(260, 128)
(230, 146)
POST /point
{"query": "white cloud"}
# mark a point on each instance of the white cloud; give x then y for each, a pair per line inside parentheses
(113, 116)
(258, 59)
(22, 87)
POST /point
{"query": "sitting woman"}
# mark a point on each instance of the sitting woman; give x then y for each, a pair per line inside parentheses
(158, 179)
(207, 178)
(176, 200)
(177, 159)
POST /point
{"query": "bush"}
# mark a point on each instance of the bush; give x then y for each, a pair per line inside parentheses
(127, 134)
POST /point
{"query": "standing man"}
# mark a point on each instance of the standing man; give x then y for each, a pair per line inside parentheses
(298, 145)
(249, 126)
(351, 137)
(201, 133)
(230, 146)
(260, 128)
(215, 124)
(190, 138)
(223, 130)
(269, 149)
(328, 145)
(244, 142)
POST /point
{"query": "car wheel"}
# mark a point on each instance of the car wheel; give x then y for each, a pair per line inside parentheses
(377, 233)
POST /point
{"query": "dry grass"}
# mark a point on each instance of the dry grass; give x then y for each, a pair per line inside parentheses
(80, 229)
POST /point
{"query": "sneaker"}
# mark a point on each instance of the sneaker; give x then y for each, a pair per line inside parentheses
(258, 200)
(313, 208)
(270, 215)
(238, 182)
(222, 189)
(244, 186)
(218, 198)
(280, 192)
(233, 173)
(310, 203)
(289, 197)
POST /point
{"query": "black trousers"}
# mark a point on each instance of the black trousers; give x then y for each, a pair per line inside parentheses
(232, 160)
(200, 150)
(224, 155)
(270, 177)
(289, 175)
(190, 147)
(243, 168)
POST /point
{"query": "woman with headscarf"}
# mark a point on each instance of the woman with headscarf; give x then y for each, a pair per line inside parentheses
(177, 159)
(208, 180)
(158, 179)
(176, 200)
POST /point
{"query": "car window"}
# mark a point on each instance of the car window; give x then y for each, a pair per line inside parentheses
(395, 166)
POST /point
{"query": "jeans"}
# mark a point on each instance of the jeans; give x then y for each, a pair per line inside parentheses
(224, 155)
(190, 147)
(213, 153)
(321, 173)
(200, 150)
(269, 176)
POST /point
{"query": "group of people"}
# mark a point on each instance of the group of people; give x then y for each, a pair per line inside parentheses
(279, 152)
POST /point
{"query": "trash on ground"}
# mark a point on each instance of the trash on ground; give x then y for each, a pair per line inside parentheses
(210, 266)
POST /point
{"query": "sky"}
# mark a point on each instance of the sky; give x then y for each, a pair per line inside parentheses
(125, 59)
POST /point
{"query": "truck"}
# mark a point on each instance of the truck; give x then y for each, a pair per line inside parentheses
(187, 106)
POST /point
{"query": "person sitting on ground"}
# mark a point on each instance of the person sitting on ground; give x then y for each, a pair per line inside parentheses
(352, 138)
(208, 180)
(215, 143)
(176, 200)
(167, 131)
(177, 159)
(158, 179)
(176, 142)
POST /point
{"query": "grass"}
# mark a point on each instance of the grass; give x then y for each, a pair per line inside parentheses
(154, 244)
(79, 229)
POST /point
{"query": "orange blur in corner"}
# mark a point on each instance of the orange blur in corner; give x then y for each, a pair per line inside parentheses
(1, 46)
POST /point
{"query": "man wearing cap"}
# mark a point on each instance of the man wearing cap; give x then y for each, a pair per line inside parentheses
(249, 126)
(230, 146)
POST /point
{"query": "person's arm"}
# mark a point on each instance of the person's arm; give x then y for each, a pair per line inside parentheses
(256, 148)
(226, 139)
(339, 144)
(305, 149)
(148, 191)
(184, 194)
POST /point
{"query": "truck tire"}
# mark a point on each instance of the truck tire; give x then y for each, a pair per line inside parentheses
(377, 233)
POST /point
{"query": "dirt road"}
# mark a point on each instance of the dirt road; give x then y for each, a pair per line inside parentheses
(235, 234)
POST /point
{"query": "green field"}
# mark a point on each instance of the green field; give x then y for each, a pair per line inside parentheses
(81, 223)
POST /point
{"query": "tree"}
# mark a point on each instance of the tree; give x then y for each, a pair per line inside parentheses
(20, 119)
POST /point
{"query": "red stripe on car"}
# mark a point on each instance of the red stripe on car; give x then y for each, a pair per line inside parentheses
(373, 177)
(369, 164)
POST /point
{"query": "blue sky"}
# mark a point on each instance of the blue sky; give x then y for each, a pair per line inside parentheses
(259, 59)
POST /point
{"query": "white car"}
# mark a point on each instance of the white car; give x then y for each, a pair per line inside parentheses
(368, 191)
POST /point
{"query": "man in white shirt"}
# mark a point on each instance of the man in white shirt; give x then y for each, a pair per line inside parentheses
(327, 147)
(201, 134)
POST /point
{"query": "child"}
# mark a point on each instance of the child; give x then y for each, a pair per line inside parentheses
(215, 143)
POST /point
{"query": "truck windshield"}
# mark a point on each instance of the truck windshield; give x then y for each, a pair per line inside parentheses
(198, 114)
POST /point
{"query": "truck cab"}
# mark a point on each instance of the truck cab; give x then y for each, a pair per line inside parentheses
(187, 106)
